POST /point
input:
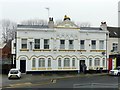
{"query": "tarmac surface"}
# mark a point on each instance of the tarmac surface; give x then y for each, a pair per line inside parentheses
(83, 81)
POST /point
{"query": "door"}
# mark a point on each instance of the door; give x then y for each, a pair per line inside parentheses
(23, 66)
(81, 63)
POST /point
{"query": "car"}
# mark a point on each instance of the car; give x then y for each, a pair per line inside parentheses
(115, 71)
(14, 73)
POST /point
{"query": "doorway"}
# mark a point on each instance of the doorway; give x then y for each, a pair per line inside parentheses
(23, 66)
(81, 63)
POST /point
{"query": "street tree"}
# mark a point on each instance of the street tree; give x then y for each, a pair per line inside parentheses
(8, 30)
(34, 22)
(84, 24)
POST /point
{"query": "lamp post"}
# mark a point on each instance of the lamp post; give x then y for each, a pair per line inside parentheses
(48, 11)
(106, 49)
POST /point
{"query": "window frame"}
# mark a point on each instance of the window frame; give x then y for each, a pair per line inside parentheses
(66, 62)
(73, 62)
(90, 62)
(49, 62)
(62, 44)
(93, 44)
(33, 62)
(41, 62)
(101, 44)
(24, 43)
(37, 44)
(46, 44)
(59, 62)
(82, 44)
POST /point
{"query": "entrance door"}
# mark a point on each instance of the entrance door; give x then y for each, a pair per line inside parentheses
(23, 66)
(81, 63)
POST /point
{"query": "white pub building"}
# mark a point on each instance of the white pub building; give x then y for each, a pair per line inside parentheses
(64, 47)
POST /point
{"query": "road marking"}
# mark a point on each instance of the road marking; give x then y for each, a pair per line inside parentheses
(28, 84)
(95, 85)
(20, 84)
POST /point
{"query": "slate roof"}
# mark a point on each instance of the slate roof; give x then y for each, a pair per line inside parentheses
(90, 28)
(32, 26)
(114, 32)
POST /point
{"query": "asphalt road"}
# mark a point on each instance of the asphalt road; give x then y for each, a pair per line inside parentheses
(36, 81)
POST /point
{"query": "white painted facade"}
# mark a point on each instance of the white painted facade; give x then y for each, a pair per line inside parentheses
(54, 35)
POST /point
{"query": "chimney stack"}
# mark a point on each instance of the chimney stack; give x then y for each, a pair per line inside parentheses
(51, 23)
(103, 26)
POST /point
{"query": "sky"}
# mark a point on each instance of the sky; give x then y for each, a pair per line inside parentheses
(91, 11)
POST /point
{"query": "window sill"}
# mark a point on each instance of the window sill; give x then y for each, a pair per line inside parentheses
(41, 68)
(24, 49)
(81, 50)
(66, 50)
(67, 68)
(37, 50)
(41, 50)
(49, 68)
(97, 50)
(34, 68)
(59, 68)
(73, 68)
(46, 50)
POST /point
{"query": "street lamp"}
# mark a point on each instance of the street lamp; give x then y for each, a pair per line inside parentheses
(48, 11)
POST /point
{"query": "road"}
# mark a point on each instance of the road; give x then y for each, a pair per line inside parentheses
(37, 81)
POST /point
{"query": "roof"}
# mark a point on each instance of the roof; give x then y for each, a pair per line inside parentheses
(114, 32)
(32, 26)
(90, 28)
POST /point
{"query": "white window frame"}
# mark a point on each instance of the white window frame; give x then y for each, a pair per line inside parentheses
(49, 62)
(62, 46)
(71, 46)
(24, 43)
(73, 62)
(41, 62)
(103, 62)
(46, 43)
(90, 62)
(59, 62)
(66, 62)
(82, 44)
(115, 47)
(97, 62)
(101, 44)
(37, 44)
(33, 62)
(93, 45)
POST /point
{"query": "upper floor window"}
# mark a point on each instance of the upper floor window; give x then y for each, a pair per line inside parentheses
(82, 44)
(93, 44)
(115, 47)
(24, 44)
(37, 44)
(62, 44)
(71, 46)
(101, 44)
(46, 43)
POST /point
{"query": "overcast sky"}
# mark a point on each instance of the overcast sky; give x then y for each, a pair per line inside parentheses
(92, 11)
